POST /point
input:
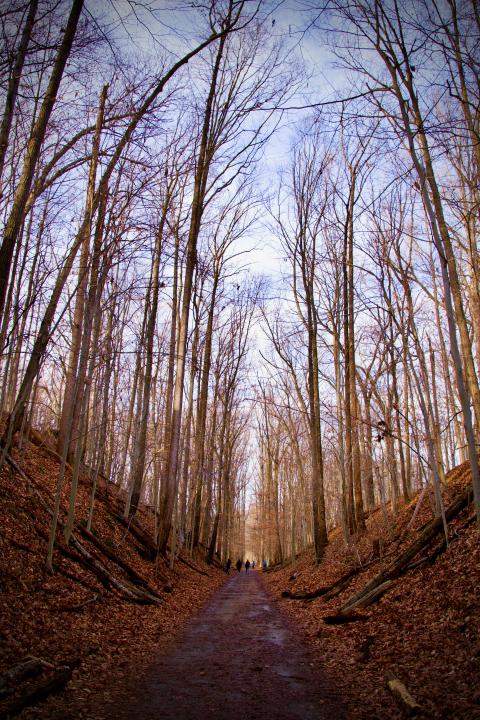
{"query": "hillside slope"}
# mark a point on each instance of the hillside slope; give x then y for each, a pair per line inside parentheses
(424, 631)
(89, 630)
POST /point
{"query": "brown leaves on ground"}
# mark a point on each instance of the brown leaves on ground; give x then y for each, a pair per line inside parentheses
(69, 615)
(425, 631)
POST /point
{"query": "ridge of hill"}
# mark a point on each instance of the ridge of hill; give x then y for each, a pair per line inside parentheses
(71, 638)
(414, 649)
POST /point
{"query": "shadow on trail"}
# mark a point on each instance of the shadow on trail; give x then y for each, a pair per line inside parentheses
(238, 660)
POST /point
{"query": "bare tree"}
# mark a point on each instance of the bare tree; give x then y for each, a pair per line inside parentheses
(14, 222)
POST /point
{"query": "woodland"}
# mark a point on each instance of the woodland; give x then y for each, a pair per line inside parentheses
(240, 317)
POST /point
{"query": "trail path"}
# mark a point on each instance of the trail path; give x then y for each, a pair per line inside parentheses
(238, 660)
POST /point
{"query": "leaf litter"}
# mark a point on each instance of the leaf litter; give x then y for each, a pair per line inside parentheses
(425, 631)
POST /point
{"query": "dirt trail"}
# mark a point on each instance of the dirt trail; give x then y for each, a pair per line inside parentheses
(238, 660)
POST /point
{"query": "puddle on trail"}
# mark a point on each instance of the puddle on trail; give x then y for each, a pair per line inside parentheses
(276, 636)
(287, 672)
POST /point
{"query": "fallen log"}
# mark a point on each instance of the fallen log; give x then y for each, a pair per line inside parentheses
(79, 606)
(400, 692)
(37, 439)
(108, 580)
(190, 565)
(132, 574)
(417, 563)
(76, 579)
(42, 689)
(306, 595)
(18, 545)
(370, 597)
(146, 540)
(329, 591)
(132, 593)
(398, 566)
(28, 668)
(139, 534)
(345, 581)
(342, 618)
(430, 559)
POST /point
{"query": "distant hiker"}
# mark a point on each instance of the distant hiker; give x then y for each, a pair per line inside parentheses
(247, 566)
(239, 565)
(264, 564)
(253, 564)
(228, 566)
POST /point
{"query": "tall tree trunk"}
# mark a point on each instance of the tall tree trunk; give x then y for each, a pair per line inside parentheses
(201, 176)
(396, 413)
(68, 407)
(130, 414)
(76, 429)
(340, 435)
(202, 415)
(15, 219)
(13, 84)
(369, 484)
(141, 437)
(466, 380)
(209, 468)
(318, 497)
(347, 404)
(102, 435)
(351, 389)
(43, 336)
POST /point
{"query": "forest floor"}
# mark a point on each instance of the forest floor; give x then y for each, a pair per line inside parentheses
(425, 631)
(70, 619)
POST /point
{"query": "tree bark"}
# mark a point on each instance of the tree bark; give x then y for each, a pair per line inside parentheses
(13, 84)
(15, 219)
(201, 176)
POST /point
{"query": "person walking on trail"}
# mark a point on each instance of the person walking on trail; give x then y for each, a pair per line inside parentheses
(239, 565)
(247, 566)
(228, 565)
(253, 564)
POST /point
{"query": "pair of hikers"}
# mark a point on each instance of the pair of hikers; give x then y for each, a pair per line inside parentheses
(239, 565)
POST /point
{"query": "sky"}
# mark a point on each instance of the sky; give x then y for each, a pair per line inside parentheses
(163, 26)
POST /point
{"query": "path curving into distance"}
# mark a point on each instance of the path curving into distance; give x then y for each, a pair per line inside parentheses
(239, 659)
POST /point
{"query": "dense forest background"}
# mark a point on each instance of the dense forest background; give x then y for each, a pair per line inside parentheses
(148, 155)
